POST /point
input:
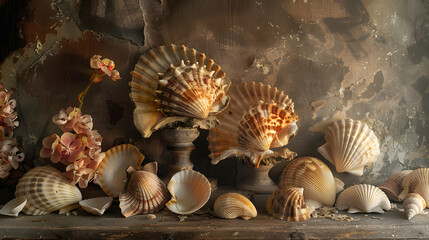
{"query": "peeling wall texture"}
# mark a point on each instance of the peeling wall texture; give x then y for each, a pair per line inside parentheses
(360, 59)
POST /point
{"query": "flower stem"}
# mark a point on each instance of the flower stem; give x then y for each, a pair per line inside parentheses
(81, 96)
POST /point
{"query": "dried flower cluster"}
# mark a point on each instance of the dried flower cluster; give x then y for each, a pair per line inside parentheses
(10, 156)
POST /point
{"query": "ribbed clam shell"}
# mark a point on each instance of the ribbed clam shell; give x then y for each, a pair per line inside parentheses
(145, 84)
(413, 204)
(112, 173)
(315, 177)
(233, 205)
(46, 190)
(13, 207)
(258, 118)
(288, 204)
(416, 181)
(363, 198)
(393, 186)
(350, 146)
(145, 193)
(189, 190)
(96, 206)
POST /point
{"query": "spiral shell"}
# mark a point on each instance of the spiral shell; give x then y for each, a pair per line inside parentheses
(393, 186)
(315, 177)
(416, 181)
(350, 146)
(96, 206)
(288, 204)
(257, 119)
(363, 198)
(46, 190)
(172, 83)
(233, 205)
(13, 207)
(414, 204)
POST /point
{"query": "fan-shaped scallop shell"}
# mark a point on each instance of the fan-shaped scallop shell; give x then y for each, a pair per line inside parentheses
(13, 207)
(363, 198)
(189, 190)
(258, 118)
(288, 204)
(46, 190)
(144, 193)
(171, 81)
(112, 173)
(413, 204)
(315, 177)
(96, 206)
(416, 181)
(393, 186)
(350, 146)
(233, 205)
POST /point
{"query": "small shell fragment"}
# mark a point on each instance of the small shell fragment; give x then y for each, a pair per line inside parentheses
(233, 205)
(13, 207)
(96, 206)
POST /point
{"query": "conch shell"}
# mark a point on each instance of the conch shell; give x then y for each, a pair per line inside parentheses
(258, 119)
(393, 186)
(233, 205)
(288, 204)
(363, 198)
(176, 84)
(416, 181)
(350, 146)
(414, 204)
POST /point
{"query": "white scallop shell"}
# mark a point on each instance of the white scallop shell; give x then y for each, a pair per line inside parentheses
(363, 198)
(350, 146)
(189, 190)
(315, 177)
(257, 119)
(96, 206)
(13, 207)
(112, 173)
(233, 205)
(288, 204)
(149, 115)
(393, 186)
(46, 190)
(416, 181)
(414, 204)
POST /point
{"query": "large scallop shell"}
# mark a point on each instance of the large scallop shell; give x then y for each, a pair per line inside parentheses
(315, 177)
(350, 146)
(413, 205)
(416, 181)
(96, 206)
(257, 119)
(288, 204)
(393, 186)
(144, 193)
(233, 205)
(363, 198)
(46, 190)
(192, 86)
(112, 173)
(13, 207)
(189, 190)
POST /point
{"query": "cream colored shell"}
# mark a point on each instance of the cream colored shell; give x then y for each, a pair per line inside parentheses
(350, 146)
(288, 204)
(363, 198)
(233, 205)
(96, 206)
(416, 181)
(413, 204)
(150, 78)
(315, 177)
(393, 186)
(13, 207)
(46, 190)
(258, 119)
(112, 173)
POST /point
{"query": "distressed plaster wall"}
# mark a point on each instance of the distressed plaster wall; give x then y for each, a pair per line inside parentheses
(366, 60)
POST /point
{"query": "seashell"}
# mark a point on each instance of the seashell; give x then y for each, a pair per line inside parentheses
(112, 173)
(189, 190)
(46, 190)
(363, 198)
(315, 177)
(96, 206)
(414, 204)
(339, 185)
(171, 81)
(393, 186)
(145, 193)
(233, 205)
(416, 181)
(13, 207)
(257, 119)
(350, 146)
(288, 204)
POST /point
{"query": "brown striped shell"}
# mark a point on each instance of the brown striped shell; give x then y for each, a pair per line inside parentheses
(46, 190)
(363, 198)
(288, 204)
(416, 181)
(233, 205)
(393, 186)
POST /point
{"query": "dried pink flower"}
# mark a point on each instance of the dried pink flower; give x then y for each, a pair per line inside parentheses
(71, 147)
(5, 167)
(51, 148)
